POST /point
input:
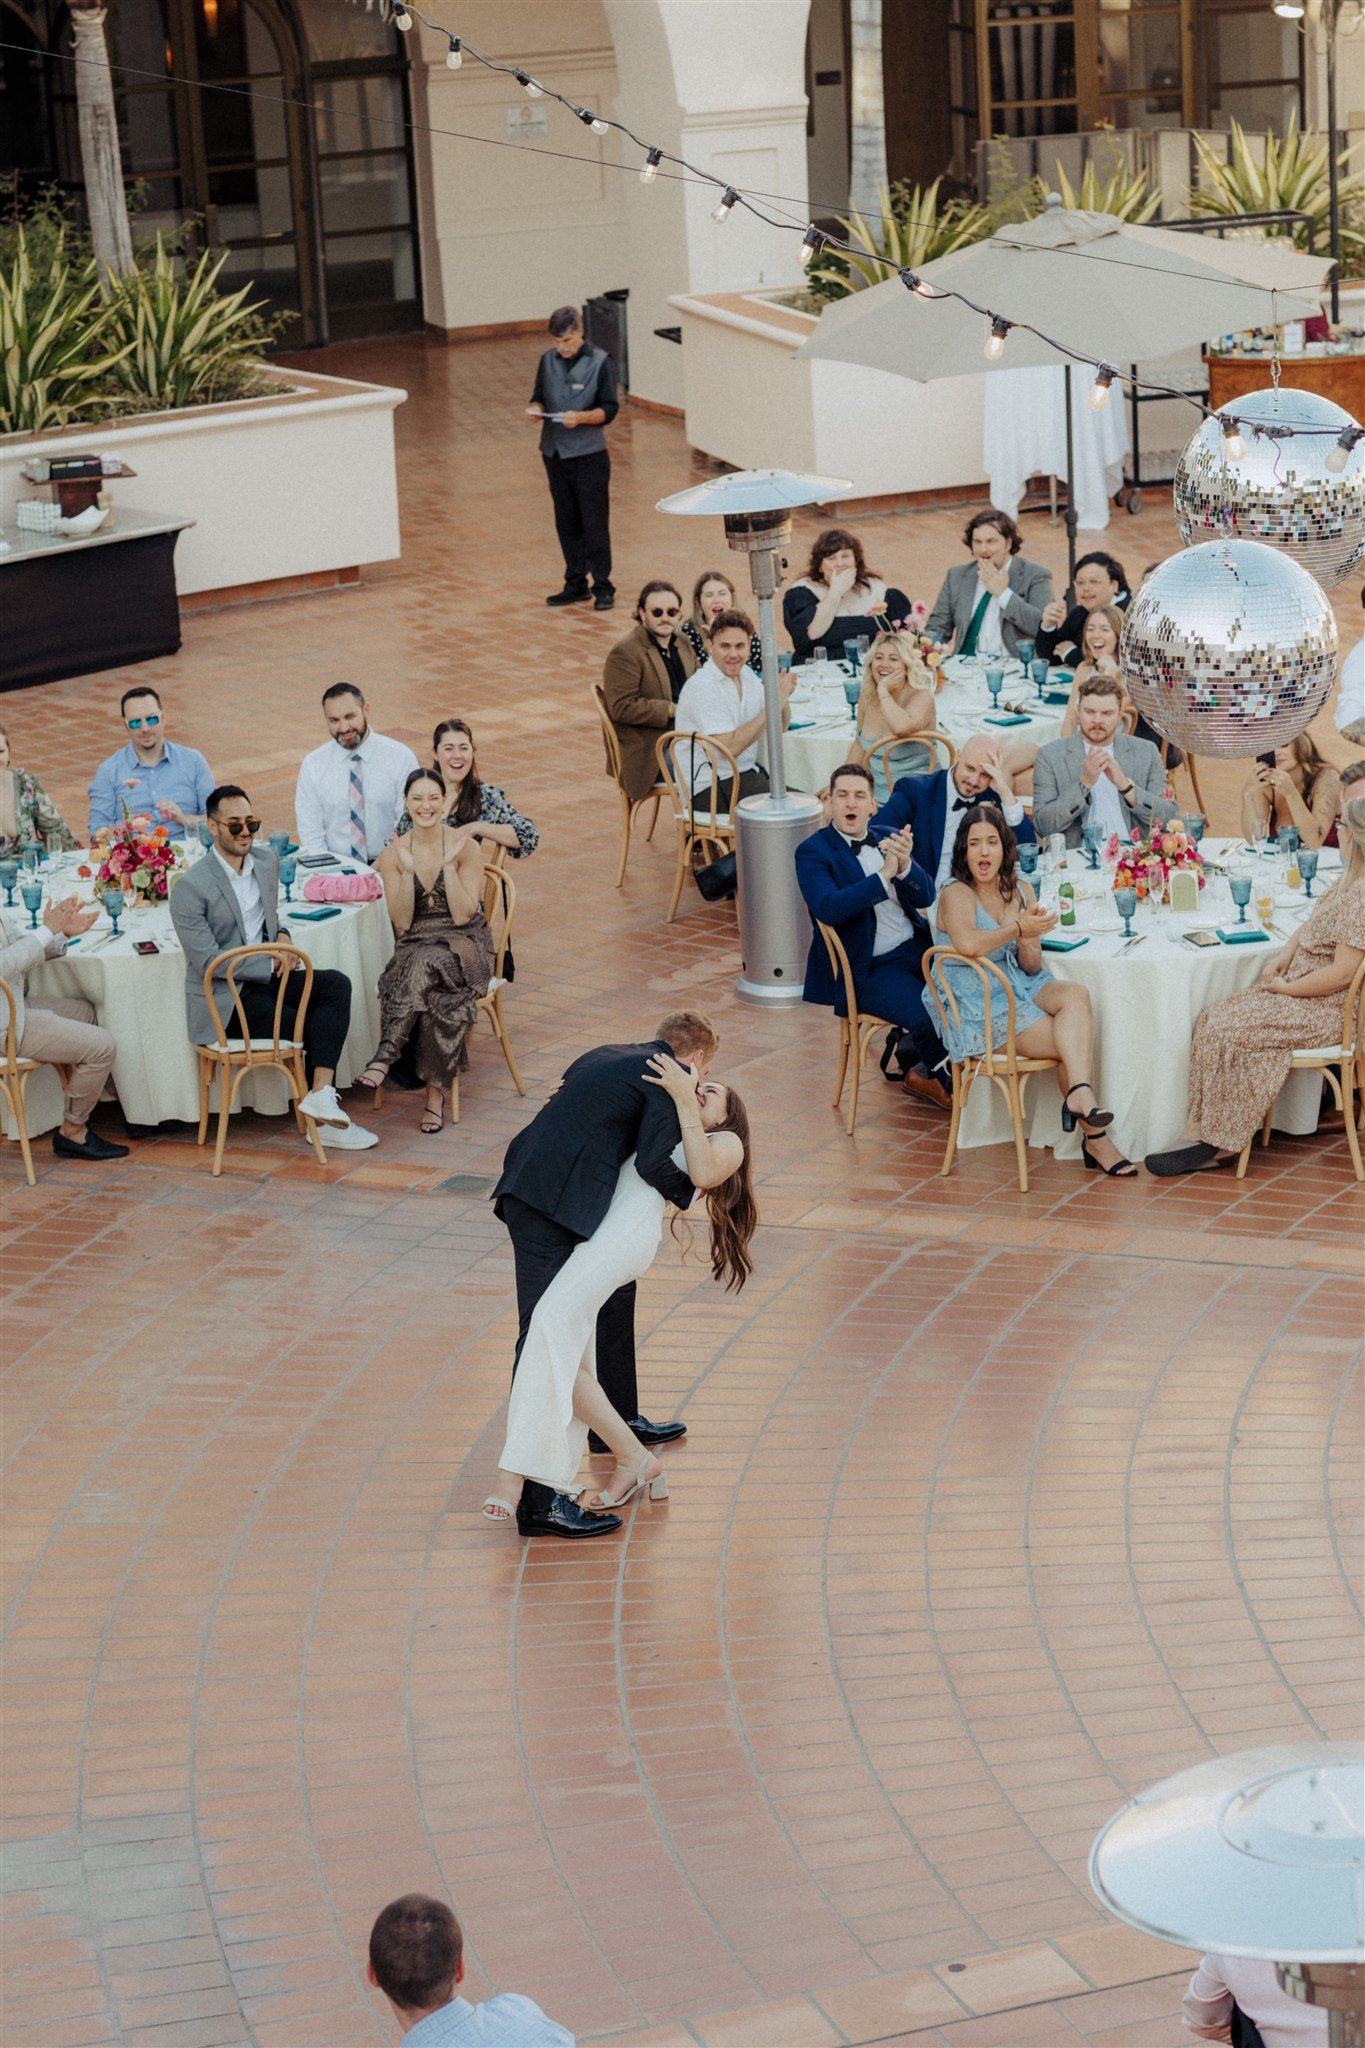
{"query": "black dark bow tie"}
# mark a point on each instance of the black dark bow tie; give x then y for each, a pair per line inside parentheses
(963, 803)
(857, 845)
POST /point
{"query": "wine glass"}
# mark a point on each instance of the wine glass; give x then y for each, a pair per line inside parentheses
(9, 875)
(1125, 902)
(33, 853)
(289, 867)
(32, 893)
(995, 682)
(112, 899)
(1308, 867)
(1239, 888)
(1093, 837)
(863, 644)
(1038, 670)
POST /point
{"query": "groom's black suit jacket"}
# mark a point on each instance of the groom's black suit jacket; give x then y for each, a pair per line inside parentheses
(565, 1163)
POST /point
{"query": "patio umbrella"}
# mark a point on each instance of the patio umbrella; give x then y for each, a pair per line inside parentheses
(1105, 288)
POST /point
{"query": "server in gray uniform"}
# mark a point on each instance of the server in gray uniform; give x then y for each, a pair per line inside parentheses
(575, 398)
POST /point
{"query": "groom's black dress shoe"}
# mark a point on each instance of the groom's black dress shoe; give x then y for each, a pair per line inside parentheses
(647, 1431)
(562, 1517)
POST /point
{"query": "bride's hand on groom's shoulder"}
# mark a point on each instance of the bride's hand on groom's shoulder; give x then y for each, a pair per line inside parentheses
(679, 1081)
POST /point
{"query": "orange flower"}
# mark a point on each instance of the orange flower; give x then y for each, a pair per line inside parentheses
(84, 872)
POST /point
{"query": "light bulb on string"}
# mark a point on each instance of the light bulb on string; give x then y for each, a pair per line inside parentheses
(649, 169)
(402, 20)
(529, 86)
(1289, 10)
(995, 340)
(593, 121)
(920, 286)
(812, 243)
(726, 205)
(1339, 454)
(454, 55)
(1099, 390)
(1234, 447)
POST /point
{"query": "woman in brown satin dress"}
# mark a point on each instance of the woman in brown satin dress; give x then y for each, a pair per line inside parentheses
(429, 992)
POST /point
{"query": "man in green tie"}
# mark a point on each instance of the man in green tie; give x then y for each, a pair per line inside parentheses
(988, 605)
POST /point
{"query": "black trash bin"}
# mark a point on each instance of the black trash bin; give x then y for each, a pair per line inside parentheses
(604, 325)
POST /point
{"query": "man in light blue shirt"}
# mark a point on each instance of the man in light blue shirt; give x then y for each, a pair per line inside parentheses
(168, 784)
(416, 1960)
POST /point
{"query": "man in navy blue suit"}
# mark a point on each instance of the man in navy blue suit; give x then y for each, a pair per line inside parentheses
(869, 889)
(932, 804)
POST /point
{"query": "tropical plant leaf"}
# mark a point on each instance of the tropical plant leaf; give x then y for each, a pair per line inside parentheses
(912, 229)
(57, 337)
(1291, 178)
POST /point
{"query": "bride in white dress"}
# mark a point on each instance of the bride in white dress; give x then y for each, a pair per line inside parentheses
(555, 1397)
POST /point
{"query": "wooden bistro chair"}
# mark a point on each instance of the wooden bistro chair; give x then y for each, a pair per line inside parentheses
(708, 828)
(938, 742)
(499, 899)
(14, 1073)
(856, 1031)
(1004, 1065)
(1337, 1063)
(230, 1060)
(630, 806)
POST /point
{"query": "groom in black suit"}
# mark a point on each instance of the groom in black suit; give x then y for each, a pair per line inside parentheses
(557, 1182)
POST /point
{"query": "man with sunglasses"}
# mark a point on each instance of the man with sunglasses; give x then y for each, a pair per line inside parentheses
(641, 680)
(167, 783)
(230, 898)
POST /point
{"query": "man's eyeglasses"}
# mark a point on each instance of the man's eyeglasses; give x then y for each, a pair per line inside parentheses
(136, 724)
(669, 611)
(236, 826)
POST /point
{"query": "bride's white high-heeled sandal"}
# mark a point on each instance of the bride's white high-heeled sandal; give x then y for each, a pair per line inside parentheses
(655, 1484)
(494, 1501)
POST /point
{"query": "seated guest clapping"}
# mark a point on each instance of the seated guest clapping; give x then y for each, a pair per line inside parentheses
(724, 700)
(149, 776)
(228, 899)
(839, 599)
(868, 889)
(1099, 657)
(1100, 580)
(896, 701)
(642, 679)
(350, 789)
(1241, 1052)
(1099, 775)
(27, 813)
(1302, 790)
(990, 604)
(429, 992)
(60, 1029)
(478, 810)
(931, 805)
(988, 912)
(712, 594)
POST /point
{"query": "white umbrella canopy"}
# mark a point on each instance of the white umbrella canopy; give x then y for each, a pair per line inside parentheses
(1108, 290)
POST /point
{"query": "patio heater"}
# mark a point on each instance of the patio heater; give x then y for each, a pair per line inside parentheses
(1259, 1854)
(774, 930)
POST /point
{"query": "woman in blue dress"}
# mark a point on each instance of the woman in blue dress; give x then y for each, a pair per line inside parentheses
(988, 911)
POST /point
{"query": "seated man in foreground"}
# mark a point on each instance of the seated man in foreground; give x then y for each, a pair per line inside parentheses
(868, 892)
(1098, 775)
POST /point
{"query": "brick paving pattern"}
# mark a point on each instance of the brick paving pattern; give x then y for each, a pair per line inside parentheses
(995, 1507)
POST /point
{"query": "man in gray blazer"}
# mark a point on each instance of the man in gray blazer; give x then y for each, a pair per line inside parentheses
(1098, 773)
(230, 898)
(988, 605)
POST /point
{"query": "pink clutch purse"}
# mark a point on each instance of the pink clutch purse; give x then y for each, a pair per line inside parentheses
(361, 888)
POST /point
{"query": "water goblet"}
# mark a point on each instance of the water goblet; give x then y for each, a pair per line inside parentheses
(1125, 902)
(112, 899)
(851, 656)
(1093, 837)
(1287, 839)
(289, 867)
(278, 843)
(1308, 867)
(1239, 888)
(1038, 670)
(853, 690)
(9, 875)
(1025, 654)
(1026, 857)
(203, 834)
(1195, 824)
(32, 893)
(995, 682)
(784, 661)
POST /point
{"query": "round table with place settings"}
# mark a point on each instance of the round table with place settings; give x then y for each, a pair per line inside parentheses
(140, 998)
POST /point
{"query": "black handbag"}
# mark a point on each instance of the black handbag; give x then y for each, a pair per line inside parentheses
(718, 880)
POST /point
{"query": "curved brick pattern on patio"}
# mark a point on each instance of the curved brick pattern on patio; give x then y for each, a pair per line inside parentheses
(994, 1509)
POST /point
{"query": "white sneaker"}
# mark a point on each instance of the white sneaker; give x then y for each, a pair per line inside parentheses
(347, 1137)
(324, 1106)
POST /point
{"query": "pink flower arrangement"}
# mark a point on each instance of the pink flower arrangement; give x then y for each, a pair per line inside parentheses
(138, 858)
(1147, 864)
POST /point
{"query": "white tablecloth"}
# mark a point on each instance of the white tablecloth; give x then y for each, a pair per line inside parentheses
(141, 999)
(824, 724)
(1145, 1003)
(1024, 434)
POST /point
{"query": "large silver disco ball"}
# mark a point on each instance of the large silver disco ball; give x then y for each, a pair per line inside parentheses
(1281, 491)
(1229, 649)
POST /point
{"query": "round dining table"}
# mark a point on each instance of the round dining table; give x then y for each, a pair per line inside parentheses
(140, 998)
(1145, 994)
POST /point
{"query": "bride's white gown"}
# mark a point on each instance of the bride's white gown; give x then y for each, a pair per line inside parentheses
(545, 1441)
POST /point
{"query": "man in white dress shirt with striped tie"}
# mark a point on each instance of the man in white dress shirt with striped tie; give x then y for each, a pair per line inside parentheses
(350, 789)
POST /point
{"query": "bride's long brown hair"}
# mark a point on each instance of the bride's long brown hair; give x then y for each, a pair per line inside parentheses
(731, 1207)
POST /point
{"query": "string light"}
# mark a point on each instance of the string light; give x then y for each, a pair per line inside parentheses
(649, 169)
(529, 86)
(920, 286)
(1234, 447)
(402, 20)
(726, 205)
(593, 121)
(1099, 390)
(811, 245)
(1289, 10)
(995, 340)
(454, 55)
(1339, 455)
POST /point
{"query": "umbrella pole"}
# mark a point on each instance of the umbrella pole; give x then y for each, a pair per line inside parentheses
(1070, 487)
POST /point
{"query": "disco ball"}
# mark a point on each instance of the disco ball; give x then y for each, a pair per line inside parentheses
(1281, 491)
(1229, 649)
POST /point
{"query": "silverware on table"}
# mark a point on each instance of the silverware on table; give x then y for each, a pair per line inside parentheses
(1137, 940)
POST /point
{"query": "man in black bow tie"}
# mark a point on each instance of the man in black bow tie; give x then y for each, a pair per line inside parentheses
(931, 805)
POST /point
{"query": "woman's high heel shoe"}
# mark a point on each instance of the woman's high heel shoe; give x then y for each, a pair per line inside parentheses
(1122, 1169)
(654, 1483)
(1091, 1120)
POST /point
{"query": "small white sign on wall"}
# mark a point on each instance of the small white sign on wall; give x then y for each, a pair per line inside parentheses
(528, 124)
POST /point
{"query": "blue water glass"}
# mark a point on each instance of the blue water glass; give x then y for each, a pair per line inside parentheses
(1308, 867)
(32, 893)
(1125, 902)
(851, 655)
(279, 844)
(1025, 654)
(9, 875)
(1287, 839)
(112, 899)
(1038, 670)
(289, 867)
(203, 834)
(784, 662)
(995, 681)
(1026, 854)
(853, 690)
(1239, 888)
(1094, 837)
(1195, 825)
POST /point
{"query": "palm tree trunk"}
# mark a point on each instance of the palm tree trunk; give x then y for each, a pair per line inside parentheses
(867, 151)
(105, 200)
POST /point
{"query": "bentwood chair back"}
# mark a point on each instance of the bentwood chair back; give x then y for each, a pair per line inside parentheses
(230, 1060)
(499, 905)
(856, 1030)
(1338, 1066)
(938, 743)
(14, 1073)
(630, 806)
(1004, 1065)
(705, 826)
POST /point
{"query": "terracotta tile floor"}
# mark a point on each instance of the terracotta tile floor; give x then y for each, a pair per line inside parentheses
(995, 1507)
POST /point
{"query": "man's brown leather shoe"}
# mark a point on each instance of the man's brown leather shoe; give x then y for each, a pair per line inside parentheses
(930, 1088)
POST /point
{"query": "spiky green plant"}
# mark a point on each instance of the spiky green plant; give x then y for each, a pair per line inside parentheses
(1292, 177)
(57, 337)
(1124, 193)
(186, 343)
(913, 229)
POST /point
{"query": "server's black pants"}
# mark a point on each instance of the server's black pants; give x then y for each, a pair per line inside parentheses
(580, 486)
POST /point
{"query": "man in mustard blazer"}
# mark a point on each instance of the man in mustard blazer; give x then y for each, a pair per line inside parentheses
(641, 680)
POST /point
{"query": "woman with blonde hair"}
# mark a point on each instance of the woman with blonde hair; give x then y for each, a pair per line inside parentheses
(712, 594)
(1302, 789)
(1243, 1047)
(897, 701)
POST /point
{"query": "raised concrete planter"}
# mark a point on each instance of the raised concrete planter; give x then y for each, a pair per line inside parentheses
(281, 489)
(749, 400)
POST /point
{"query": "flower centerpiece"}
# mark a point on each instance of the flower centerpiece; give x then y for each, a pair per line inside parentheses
(1148, 864)
(137, 857)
